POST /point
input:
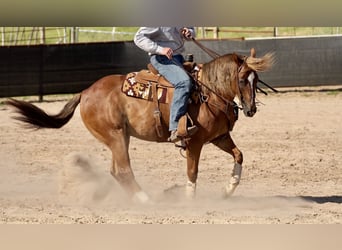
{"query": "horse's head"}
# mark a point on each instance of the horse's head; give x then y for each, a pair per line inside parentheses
(248, 79)
(234, 75)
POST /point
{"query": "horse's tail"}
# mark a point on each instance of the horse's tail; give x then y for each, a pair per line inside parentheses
(35, 117)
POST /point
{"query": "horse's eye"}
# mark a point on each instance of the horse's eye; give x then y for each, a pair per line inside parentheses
(241, 81)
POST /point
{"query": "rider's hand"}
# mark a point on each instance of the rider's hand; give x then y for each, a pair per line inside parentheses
(186, 33)
(168, 52)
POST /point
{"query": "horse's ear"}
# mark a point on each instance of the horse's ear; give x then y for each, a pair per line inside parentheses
(253, 52)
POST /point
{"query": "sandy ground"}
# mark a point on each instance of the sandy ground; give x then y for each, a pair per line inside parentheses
(292, 170)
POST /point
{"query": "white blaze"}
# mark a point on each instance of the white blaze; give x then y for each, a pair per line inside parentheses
(251, 80)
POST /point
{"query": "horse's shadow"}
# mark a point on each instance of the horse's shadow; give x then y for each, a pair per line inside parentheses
(337, 199)
(305, 198)
(176, 190)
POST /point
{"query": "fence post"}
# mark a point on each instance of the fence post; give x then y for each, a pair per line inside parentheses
(113, 32)
(216, 32)
(275, 31)
(2, 36)
(65, 35)
(42, 35)
(202, 32)
(73, 35)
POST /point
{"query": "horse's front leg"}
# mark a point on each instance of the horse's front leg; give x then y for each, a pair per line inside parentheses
(226, 144)
(193, 153)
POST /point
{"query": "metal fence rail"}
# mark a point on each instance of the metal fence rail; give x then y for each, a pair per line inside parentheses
(65, 35)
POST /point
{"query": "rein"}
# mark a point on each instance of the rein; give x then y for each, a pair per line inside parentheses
(206, 99)
(210, 52)
(214, 92)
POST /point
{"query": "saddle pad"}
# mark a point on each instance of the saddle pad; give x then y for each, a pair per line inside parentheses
(133, 87)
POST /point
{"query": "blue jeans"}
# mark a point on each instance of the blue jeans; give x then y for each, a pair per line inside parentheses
(173, 71)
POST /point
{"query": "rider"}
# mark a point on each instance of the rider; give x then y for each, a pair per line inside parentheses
(165, 45)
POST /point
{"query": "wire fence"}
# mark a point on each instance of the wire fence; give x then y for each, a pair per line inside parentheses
(63, 35)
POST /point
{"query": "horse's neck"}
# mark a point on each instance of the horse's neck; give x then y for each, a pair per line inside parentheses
(214, 83)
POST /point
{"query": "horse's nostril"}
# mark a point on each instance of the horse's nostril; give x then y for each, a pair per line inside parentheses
(250, 113)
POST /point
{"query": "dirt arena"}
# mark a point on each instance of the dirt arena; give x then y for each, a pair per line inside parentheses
(292, 170)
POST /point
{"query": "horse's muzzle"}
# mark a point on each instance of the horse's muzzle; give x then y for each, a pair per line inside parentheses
(249, 112)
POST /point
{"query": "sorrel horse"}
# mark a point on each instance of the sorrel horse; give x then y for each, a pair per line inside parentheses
(113, 117)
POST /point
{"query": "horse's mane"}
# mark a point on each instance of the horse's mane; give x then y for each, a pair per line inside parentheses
(221, 73)
(261, 64)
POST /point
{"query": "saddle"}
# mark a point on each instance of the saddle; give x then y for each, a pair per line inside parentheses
(142, 85)
(151, 86)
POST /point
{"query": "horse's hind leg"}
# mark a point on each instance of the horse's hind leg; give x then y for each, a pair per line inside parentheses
(226, 144)
(121, 167)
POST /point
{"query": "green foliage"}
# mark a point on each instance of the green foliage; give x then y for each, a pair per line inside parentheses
(334, 92)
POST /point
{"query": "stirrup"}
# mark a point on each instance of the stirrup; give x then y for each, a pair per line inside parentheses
(192, 130)
(174, 137)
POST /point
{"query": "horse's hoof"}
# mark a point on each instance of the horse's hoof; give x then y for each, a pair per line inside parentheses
(228, 191)
(141, 197)
(190, 190)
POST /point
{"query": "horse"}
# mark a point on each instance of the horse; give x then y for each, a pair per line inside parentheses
(113, 117)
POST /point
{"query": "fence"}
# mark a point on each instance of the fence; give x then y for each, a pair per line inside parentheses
(64, 35)
(55, 69)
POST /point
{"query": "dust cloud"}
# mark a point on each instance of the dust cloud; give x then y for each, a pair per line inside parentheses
(82, 182)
